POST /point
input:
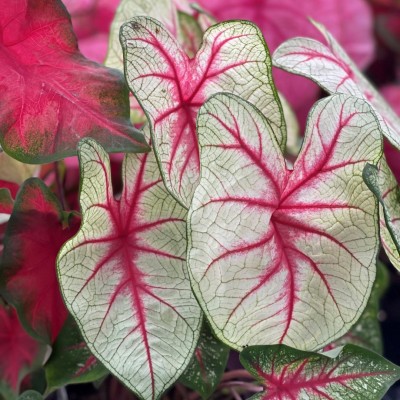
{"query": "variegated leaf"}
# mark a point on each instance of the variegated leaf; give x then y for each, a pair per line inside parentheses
(347, 373)
(332, 69)
(124, 275)
(207, 364)
(275, 255)
(384, 186)
(171, 87)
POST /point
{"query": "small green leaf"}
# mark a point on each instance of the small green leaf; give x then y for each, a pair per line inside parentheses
(30, 395)
(207, 364)
(286, 373)
(71, 361)
(383, 185)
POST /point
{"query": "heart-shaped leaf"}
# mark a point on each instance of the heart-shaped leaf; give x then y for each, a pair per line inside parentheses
(71, 361)
(53, 96)
(171, 87)
(124, 274)
(37, 229)
(384, 186)
(20, 353)
(332, 69)
(274, 254)
(207, 364)
(286, 373)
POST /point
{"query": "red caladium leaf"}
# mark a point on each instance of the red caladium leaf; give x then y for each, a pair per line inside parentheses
(91, 20)
(330, 67)
(124, 275)
(255, 224)
(350, 372)
(384, 186)
(20, 353)
(37, 229)
(171, 87)
(52, 95)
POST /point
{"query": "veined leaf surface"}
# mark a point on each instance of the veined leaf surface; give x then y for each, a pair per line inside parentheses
(37, 229)
(385, 187)
(124, 275)
(171, 87)
(289, 374)
(52, 95)
(164, 11)
(332, 69)
(274, 254)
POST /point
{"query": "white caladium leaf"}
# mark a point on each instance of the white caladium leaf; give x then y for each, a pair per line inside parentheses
(171, 87)
(332, 69)
(384, 186)
(163, 10)
(275, 255)
(286, 373)
(124, 278)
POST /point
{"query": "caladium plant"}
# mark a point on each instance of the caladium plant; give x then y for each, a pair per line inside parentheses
(348, 372)
(171, 87)
(52, 96)
(216, 241)
(128, 262)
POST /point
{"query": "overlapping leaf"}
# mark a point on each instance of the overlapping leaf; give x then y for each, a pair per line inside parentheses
(207, 364)
(37, 229)
(331, 68)
(275, 255)
(179, 24)
(20, 353)
(286, 373)
(124, 275)
(163, 10)
(171, 87)
(53, 96)
(71, 361)
(384, 186)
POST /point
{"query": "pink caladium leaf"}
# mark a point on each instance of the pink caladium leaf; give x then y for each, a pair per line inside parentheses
(20, 353)
(37, 229)
(350, 372)
(274, 255)
(331, 68)
(385, 187)
(52, 95)
(124, 274)
(171, 87)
